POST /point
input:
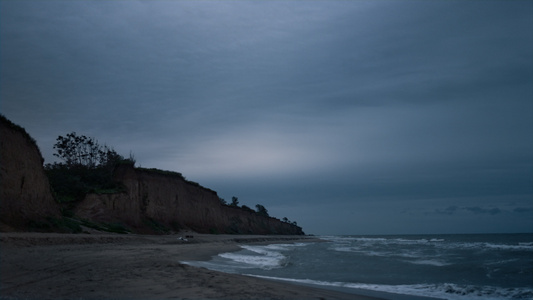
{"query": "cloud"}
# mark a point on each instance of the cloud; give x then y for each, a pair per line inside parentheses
(480, 210)
(523, 210)
(450, 210)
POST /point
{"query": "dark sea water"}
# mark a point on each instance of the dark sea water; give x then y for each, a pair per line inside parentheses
(488, 266)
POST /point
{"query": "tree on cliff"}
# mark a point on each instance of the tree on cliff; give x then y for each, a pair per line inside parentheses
(288, 221)
(234, 201)
(87, 167)
(82, 151)
(261, 210)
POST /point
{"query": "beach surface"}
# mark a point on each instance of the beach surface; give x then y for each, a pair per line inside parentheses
(113, 266)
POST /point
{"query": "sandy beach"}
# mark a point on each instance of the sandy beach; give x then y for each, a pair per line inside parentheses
(111, 266)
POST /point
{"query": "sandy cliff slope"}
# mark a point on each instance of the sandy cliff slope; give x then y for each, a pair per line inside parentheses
(25, 194)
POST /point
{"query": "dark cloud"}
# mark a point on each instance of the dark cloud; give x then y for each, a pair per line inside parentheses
(377, 107)
(523, 210)
(450, 210)
(479, 210)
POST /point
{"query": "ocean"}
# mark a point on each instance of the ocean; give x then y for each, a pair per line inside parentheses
(484, 266)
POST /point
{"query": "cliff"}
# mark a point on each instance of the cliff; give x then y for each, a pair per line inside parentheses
(154, 198)
(152, 201)
(25, 194)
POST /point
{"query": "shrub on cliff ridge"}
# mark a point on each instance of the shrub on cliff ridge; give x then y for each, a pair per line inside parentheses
(79, 151)
(261, 210)
(87, 167)
(246, 208)
(234, 201)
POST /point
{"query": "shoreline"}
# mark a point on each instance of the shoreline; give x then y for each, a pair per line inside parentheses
(354, 292)
(112, 266)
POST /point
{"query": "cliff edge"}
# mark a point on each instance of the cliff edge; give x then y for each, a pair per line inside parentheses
(25, 194)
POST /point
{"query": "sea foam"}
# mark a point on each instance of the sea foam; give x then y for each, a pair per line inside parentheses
(455, 267)
(448, 291)
(258, 257)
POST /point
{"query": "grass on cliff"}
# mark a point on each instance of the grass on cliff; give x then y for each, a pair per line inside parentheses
(156, 226)
(23, 131)
(173, 174)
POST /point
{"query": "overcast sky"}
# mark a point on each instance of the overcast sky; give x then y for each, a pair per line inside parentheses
(349, 117)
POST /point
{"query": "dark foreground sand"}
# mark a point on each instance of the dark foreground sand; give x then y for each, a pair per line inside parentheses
(108, 266)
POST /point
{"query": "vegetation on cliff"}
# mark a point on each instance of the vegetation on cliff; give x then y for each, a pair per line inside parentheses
(86, 167)
(260, 209)
(7, 123)
(173, 174)
(94, 187)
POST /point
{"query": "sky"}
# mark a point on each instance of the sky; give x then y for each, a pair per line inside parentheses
(348, 117)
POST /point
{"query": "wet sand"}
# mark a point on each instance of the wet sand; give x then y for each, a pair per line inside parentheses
(110, 266)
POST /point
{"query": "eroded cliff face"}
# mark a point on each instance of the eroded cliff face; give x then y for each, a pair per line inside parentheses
(154, 197)
(25, 194)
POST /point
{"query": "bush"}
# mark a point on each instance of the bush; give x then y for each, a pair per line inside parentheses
(261, 210)
(234, 201)
(72, 184)
(87, 167)
(246, 208)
